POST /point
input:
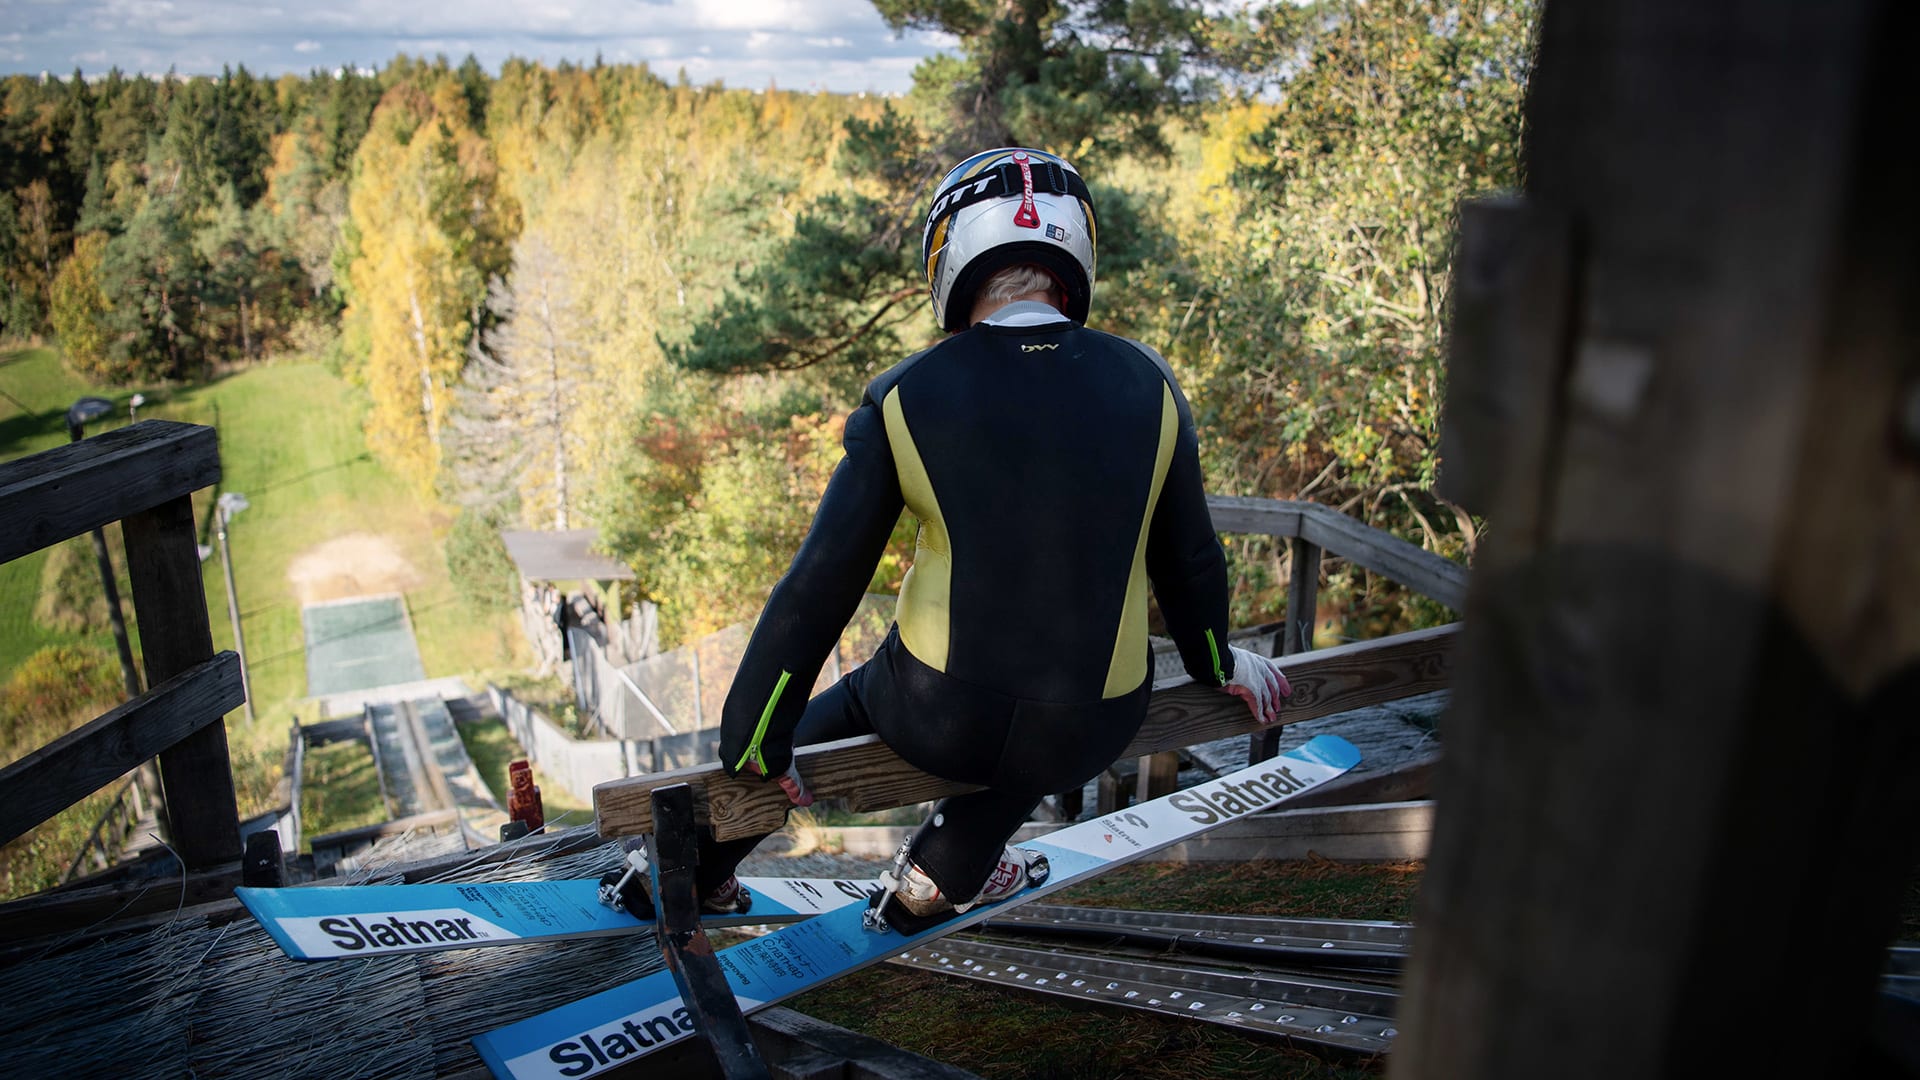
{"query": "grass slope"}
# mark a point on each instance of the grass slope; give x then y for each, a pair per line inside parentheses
(291, 442)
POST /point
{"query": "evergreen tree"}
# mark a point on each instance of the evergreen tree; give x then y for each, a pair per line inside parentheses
(1091, 79)
(151, 274)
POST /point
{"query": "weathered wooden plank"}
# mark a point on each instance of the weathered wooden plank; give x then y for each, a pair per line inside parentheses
(1383, 553)
(1325, 681)
(1262, 517)
(118, 907)
(1378, 832)
(1411, 780)
(55, 494)
(1159, 775)
(83, 761)
(163, 560)
(872, 777)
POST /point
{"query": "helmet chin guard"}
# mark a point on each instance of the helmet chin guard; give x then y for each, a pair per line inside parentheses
(1001, 208)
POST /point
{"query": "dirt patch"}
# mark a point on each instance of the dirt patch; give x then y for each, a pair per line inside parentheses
(358, 564)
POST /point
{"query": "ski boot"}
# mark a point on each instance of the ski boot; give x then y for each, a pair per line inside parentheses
(628, 890)
(918, 904)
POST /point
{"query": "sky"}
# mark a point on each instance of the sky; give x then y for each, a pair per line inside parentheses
(839, 45)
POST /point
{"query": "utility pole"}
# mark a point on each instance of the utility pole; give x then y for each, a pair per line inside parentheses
(230, 503)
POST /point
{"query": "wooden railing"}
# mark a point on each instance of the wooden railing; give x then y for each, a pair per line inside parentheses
(142, 476)
(869, 776)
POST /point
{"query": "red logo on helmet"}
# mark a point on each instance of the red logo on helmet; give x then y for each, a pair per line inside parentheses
(1028, 216)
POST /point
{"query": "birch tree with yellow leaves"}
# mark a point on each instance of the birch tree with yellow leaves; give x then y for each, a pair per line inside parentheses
(427, 229)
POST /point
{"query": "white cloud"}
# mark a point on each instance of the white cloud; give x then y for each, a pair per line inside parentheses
(746, 42)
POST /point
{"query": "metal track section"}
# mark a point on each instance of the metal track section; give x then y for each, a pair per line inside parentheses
(1318, 943)
(407, 794)
(1347, 1016)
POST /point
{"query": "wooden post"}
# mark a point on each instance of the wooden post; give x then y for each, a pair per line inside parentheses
(1296, 635)
(170, 603)
(690, 956)
(1159, 775)
(1678, 789)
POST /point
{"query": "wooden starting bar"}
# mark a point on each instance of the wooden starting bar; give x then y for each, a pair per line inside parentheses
(869, 776)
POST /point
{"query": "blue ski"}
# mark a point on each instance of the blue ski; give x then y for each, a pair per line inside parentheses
(337, 922)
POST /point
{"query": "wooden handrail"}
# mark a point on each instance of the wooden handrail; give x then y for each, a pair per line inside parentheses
(869, 776)
(1356, 541)
(84, 760)
(69, 490)
(143, 476)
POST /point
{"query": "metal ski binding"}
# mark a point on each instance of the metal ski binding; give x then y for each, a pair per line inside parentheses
(623, 891)
(874, 919)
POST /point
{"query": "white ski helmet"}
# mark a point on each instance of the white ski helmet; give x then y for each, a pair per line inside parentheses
(1002, 207)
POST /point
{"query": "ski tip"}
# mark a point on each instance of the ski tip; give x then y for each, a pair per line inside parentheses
(1330, 750)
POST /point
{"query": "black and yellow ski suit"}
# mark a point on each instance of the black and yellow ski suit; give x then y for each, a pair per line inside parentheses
(1054, 471)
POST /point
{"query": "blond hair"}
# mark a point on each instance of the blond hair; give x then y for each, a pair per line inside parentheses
(1018, 280)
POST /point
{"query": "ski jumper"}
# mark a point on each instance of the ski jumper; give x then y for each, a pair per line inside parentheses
(1054, 471)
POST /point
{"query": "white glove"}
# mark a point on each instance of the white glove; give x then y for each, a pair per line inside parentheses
(1258, 681)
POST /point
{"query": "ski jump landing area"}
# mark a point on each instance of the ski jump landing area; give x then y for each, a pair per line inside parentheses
(358, 644)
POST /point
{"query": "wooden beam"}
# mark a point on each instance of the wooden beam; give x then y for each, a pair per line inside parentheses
(84, 760)
(1262, 517)
(1685, 714)
(1377, 550)
(60, 493)
(1385, 554)
(170, 601)
(870, 776)
(1325, 682)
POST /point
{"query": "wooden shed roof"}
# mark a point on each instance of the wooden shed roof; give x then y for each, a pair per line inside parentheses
(562, 555)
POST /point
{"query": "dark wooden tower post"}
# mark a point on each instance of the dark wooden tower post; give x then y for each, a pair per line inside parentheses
(1679, 797)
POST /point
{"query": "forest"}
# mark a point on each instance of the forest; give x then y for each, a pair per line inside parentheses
(592, 295)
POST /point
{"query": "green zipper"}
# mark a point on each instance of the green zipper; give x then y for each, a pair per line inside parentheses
(766, 717)
(1218, 675)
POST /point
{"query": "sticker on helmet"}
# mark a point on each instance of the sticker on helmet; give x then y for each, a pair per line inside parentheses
(1055, 232)
(1028, 216)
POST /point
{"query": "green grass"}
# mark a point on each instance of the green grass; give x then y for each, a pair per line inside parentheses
(340, 791)
(1010, 1035)
(33, 378)
(492, 748)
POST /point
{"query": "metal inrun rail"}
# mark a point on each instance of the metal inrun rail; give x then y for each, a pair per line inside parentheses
(1318, 943)
(1347, 1016)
